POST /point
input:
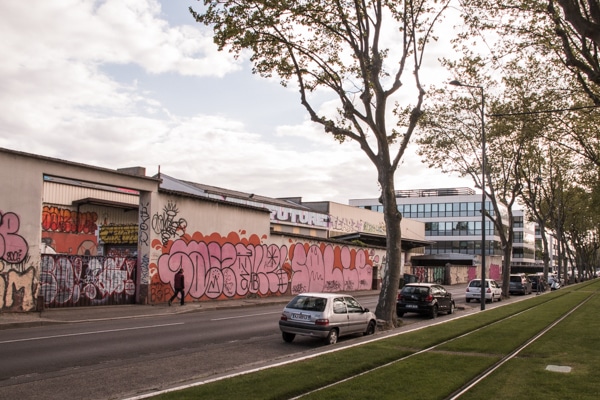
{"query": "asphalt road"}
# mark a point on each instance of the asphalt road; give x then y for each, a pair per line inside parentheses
(116, 359)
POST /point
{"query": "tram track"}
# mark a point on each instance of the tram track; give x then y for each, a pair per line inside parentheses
(477, 379)
(503, 360)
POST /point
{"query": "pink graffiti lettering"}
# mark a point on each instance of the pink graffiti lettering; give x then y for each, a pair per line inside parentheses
(13, 247)
(214, 270)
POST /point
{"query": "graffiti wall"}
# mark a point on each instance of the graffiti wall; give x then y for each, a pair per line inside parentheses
(72, 280)
(17, 278)
(66, 231)
(235, 266)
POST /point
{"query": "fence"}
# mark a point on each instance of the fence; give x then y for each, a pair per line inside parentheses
(74, 280)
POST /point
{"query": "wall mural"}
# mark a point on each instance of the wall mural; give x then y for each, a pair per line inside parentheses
(56, 219)
(17, 281)
(71, 280)
(232, 266)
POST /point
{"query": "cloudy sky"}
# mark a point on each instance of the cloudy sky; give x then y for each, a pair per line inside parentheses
(121, 83)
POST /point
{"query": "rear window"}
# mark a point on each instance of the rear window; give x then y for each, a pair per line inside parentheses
(475, 284)
(415, 290)
(516, 278)
(308, 303)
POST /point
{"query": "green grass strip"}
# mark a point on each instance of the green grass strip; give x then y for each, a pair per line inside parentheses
(425, 376)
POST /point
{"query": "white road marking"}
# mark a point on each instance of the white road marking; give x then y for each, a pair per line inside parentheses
(88, 333)
(244, 316)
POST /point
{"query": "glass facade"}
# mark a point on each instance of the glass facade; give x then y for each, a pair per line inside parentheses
(452, 219)
(464, 247)
(458, 228)
(437, 210)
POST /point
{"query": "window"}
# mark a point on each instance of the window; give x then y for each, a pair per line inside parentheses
(339, 307)
(456, 209)
(464, 209)
(353, 306)
(472, 209)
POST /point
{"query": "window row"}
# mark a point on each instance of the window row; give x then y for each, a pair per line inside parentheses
(464, 247)
(458, 228)
(433, 210)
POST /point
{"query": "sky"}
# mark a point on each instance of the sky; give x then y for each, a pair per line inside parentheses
(124, 83)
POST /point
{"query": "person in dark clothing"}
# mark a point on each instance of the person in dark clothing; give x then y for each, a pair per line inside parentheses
(179, 285)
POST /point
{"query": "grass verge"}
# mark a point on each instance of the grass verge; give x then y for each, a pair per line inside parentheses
(439, 373)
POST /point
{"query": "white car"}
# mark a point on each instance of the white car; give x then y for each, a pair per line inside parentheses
(493, 291)
(553, 282)
(325, 315)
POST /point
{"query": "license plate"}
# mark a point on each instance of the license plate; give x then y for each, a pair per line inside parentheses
(301, 316)
(411, 306)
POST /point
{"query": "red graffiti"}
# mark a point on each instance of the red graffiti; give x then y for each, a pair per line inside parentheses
(56, 219)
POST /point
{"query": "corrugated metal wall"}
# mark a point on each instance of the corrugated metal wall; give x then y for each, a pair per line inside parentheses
(61, 194)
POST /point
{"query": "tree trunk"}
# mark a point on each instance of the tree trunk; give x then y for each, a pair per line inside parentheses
(386, 307)
(545, 248)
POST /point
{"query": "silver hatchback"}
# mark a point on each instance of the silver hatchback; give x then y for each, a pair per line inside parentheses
(325, 315)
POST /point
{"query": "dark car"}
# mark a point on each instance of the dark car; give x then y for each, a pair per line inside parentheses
(538, 283)
(519, 284)
(424, 298)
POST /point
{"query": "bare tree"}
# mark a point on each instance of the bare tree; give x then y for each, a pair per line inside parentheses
(358, 51)
(577, 24)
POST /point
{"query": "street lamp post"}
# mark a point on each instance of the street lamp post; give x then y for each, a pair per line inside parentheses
(457, 83)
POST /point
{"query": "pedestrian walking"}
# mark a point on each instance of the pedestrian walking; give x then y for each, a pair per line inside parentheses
(179, 285)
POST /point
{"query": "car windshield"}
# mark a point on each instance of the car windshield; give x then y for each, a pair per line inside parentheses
(308, 303)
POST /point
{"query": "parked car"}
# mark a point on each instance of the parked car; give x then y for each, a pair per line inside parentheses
(325, 315)
(424, 298)
(553, 282)
(493, 291)
(519, 284)
(538, 280)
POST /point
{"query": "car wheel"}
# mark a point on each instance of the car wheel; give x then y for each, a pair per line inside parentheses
(400, 314)
(451, 310)
(370, 328)
(434, 312)
(332, 337)
(288, 337)
(468, 300)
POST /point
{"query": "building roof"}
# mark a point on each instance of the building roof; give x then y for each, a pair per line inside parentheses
(381, 240)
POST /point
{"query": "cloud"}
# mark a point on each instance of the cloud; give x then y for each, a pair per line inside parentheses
(79, 82)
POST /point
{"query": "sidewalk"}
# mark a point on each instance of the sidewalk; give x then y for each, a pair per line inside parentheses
(98, 313)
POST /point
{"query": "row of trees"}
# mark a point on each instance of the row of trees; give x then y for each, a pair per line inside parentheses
(542, 91)
(367, 56)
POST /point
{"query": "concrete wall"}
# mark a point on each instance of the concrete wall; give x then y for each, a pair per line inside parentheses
(228, 252)
(21, 217)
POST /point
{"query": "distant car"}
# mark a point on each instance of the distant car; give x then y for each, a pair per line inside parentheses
(553, 282)
(424, 298)
(519, 284)
(538, 280)
(325, 315)
(493, 291)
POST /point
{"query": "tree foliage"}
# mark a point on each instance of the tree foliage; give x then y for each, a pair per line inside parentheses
(538, 65)
(358, 53)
